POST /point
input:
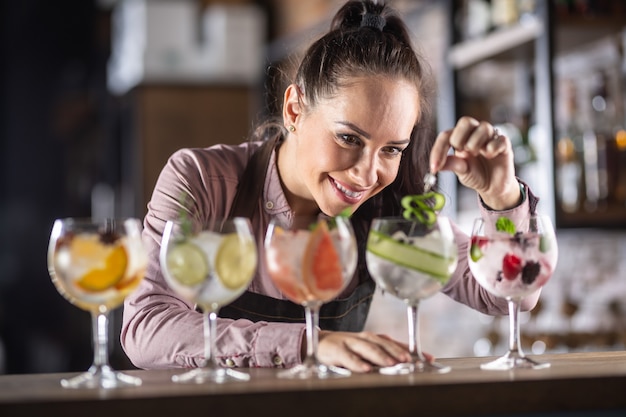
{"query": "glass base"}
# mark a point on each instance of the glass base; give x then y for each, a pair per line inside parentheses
(513, 360)
(314, 371)
(101, 377)
(217, 375)
(406, 368)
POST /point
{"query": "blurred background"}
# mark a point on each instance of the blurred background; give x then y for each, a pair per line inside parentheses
(96, 94)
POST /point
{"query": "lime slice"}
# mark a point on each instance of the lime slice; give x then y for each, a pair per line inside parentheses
(409, 256)
(235, 261)
(187, 263)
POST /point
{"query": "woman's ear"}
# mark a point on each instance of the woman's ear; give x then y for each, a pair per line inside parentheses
(291, 105)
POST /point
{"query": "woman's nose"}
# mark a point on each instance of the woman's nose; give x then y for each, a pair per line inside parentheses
(364, 170)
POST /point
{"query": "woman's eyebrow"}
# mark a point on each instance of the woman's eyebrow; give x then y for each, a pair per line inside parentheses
(355, 128)
(367, 135)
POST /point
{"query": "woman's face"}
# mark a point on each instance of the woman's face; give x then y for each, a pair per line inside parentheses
(348, 147)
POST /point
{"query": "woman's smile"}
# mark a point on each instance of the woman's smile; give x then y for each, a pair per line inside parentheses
(348, 195)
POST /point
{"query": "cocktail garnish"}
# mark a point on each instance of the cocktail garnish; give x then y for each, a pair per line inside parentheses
(184, 221)
(423, 207)
(235, 261)
(430, 180)
(187, 264)
(108, 261)
(506, 225)
(321, 264)
(476, 247)
(347, 212)
(511, 266)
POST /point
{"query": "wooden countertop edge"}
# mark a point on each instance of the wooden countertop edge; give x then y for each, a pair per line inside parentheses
(579, 381)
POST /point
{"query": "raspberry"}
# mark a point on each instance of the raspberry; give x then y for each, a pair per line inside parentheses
(511, 266)
(480, 241)
(530, 272)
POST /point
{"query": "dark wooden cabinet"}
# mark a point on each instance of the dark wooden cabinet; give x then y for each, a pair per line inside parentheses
(164, 118)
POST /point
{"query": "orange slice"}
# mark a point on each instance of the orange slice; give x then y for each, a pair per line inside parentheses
(108, 272)
(322, 265)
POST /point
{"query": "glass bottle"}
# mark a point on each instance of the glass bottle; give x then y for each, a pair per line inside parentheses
(597, 137)
(569, 152)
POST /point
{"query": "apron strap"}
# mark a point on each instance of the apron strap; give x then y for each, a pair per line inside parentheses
(250, 187)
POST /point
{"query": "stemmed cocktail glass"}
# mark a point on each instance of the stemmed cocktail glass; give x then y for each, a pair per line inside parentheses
(513, 262)
(211, 267)
(412, 261)
(311, 261)
(95, 265)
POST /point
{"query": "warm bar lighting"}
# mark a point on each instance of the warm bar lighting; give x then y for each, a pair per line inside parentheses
(620, 139)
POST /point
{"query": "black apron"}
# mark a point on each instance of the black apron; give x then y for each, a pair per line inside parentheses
(346, 314)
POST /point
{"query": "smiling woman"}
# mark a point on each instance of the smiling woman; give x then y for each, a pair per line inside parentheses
(355, 134)
(346, 147)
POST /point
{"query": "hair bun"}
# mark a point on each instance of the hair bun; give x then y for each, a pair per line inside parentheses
(374, 21)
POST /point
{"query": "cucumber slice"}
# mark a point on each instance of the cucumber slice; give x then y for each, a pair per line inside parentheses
(410, 256)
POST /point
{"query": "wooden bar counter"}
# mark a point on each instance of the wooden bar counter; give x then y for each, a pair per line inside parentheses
(577, 384)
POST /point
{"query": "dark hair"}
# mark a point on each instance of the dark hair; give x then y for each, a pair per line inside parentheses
(370, 39)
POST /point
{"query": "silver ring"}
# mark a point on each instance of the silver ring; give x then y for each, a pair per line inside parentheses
(495, 135)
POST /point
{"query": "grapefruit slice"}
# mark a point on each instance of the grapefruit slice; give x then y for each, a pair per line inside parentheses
(280, 269)
(285, 283)
(321, 264)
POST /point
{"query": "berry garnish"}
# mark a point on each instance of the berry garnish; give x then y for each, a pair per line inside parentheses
(511, 266)
(477, 244)
(423, 207)
(109, 237)
(530, 272)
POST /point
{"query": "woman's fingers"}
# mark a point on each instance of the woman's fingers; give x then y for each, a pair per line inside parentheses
(361, 352)
(378, 350)
(472, 136)
(468, 137)
(439, 151)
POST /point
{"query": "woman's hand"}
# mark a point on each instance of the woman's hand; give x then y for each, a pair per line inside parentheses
(482, 160)
(360, 352)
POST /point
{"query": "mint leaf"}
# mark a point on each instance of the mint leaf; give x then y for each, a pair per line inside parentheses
(347, 212)
(506, 225)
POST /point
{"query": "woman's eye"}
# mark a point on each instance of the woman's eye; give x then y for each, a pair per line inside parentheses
(349, 139)
(393, 151)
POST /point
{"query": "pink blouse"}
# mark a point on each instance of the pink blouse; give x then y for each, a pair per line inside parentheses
(161, 330)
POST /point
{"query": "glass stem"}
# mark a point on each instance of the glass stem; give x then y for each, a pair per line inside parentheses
(312, 315)
(415, 345)
(210, 329)
(514, 327)
(100, 324)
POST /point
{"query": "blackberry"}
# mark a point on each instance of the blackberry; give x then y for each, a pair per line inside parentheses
(530, 272)
(109, 237)
(521, 240)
